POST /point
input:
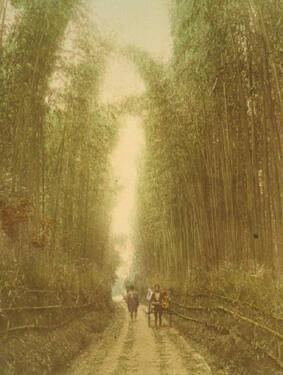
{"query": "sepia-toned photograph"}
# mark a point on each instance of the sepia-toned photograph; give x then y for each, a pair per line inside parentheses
(141, 187)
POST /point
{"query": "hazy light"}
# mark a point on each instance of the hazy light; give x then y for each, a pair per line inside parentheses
(121, 80)
(125, 160)
(145, 24)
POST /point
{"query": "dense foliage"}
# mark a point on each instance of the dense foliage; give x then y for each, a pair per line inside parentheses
(210, 194)
(56, 138)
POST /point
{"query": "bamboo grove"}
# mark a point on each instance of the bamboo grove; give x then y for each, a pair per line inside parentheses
(210, 190)
(56, 138)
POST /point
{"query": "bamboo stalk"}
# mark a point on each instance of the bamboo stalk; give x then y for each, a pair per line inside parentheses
(42, 308)
(236, 315)
(36, 327)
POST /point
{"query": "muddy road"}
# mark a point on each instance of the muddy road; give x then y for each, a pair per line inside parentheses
(134, 348)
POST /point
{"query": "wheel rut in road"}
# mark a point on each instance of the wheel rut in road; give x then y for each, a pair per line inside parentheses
(128, 348)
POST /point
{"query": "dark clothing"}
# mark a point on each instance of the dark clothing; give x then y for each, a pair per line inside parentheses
(132, 301)
(156, 302)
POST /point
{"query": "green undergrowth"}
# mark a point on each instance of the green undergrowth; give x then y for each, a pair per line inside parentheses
(44, 353)
(224, 354)
(234, 346)
(258, 288)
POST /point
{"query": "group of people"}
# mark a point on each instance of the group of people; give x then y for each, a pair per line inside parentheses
(158, 302)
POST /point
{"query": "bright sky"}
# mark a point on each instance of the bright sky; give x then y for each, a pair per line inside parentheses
(124, 162)
(145, 24)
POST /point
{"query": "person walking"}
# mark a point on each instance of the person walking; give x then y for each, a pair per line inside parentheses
(156, 302)
(148, 298)
(132, 300)
(165, 300)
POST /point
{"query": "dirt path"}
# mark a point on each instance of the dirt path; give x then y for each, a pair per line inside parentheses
(132, 348)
